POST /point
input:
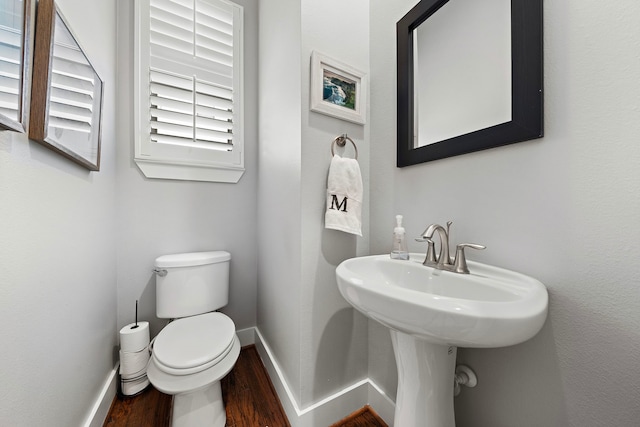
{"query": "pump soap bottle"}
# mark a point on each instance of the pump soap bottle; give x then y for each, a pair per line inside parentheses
(399, 245)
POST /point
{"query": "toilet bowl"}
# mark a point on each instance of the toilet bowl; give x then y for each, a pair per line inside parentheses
(200, 346)
(190, 357)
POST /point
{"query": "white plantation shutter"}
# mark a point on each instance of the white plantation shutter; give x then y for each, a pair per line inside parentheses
(10, 71)
(190, 112)
(193, 83)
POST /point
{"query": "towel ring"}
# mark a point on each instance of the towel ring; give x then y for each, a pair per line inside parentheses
(342, 141)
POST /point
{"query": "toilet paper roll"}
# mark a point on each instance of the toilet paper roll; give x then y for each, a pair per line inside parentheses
(134, 357)
(134, 338)
(133, 372)
(133, 365)
(135, 386)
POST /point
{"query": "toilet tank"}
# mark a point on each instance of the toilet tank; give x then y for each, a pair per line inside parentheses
(194, 283)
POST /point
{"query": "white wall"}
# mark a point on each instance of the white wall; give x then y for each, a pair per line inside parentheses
(334, 336)
(279, 223)
(58, 258)
(563, 209)
(319, 341)
(157, 217)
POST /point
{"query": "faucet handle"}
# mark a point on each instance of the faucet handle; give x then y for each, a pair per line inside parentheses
(430, 259)
(460, 263)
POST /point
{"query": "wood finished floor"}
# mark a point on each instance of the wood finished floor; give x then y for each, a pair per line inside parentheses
(365, 417)
(249, 397)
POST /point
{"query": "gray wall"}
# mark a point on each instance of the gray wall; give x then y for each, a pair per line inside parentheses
(157, 217)
(334, 336)
(563, 209)
(317, 339)
(58, 258)
(279, 222)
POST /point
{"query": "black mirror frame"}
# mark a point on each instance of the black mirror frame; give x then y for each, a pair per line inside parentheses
(527, 87)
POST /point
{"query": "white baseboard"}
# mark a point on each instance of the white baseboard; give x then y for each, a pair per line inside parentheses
(246, 336)
(100, 408)
(330, 409)
(381, 403)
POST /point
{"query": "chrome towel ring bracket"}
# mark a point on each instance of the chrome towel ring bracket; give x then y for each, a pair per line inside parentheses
(342, 141)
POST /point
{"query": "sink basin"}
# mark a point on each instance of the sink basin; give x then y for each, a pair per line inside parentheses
(491, 307)
(432, 312)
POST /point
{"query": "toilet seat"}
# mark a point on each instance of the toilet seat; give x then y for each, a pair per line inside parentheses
(177, 384)
(192, 344)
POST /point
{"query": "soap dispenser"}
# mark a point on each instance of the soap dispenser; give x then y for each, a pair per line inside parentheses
(399, 245)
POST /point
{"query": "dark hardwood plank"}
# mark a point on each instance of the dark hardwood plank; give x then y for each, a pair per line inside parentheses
(148, 409)
(364, 417)
(250, 398)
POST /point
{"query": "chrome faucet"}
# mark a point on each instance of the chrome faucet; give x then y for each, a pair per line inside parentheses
(444, 261)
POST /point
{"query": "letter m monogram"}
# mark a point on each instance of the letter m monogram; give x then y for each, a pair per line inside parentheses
(335, 205)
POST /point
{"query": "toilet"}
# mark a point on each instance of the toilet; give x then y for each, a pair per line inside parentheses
(199, 346)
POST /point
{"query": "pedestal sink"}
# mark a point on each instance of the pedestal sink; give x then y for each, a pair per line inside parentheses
(432, 312)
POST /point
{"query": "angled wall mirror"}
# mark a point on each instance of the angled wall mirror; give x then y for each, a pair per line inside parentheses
(469, 77)
(17, 21)
(66, 100)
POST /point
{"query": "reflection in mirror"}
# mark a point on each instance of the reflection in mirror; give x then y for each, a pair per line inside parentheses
(15, 64)
(74, 107)
(465, 50)
(469, 77)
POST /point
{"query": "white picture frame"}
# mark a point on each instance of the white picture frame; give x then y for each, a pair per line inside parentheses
(337, 89)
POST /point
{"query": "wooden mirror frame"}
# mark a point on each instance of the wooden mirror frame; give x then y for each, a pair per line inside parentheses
(526, 93)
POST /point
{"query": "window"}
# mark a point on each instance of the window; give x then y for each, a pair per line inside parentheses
(188, 95)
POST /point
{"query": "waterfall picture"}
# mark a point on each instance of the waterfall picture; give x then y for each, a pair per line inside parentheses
(338, 90)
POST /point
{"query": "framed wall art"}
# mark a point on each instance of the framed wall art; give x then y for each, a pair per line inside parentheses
(337, 89)
(66, 96)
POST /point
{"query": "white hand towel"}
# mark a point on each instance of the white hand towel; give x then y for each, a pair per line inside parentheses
(344, 196)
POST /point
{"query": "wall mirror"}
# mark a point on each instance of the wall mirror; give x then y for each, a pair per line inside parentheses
(469, 77)
(66, 100)
(16, 43)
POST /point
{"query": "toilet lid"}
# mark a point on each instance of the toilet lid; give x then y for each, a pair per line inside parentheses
(194, 341)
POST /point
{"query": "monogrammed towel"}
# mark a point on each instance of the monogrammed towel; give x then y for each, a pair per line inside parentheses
(344, 196)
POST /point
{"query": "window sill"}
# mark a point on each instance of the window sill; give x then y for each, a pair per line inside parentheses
(159, 169)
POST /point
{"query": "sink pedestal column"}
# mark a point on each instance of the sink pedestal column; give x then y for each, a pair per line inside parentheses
(425, 382)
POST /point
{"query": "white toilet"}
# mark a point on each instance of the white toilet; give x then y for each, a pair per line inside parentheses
(200, 346)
